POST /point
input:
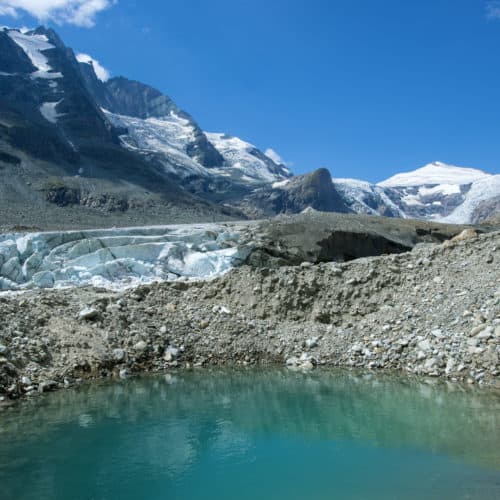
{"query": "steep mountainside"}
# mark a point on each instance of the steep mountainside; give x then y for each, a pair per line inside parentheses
(83, 152)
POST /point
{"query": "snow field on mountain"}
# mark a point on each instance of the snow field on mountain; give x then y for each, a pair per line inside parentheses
(433, 174)
(482, 190)
(48, 110)
(33, 46)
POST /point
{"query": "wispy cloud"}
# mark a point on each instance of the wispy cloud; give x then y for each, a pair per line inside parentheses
(77, 12)
(101, 72)
(493, 9)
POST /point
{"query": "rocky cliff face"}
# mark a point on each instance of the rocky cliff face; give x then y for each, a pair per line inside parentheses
(310, 191)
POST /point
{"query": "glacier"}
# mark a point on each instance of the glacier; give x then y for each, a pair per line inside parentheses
(118, 258)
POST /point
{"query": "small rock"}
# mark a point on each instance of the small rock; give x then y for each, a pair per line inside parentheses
(306, 264)
(336, 271)
(357, 348)
(424, 345)
(477, 329)
(119, 355)
(174, 351)
(47, 386)
(437, 333)
(88, 314)
(122, 303)
(485, 334)
(466, 234)
(312, 342)
(221, 310)
(141, 346)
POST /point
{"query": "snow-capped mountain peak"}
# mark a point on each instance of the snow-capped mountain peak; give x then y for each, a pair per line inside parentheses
(434, 174)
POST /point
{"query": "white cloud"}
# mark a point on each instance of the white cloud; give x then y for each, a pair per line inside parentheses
(77, 12)
(493, 10)
(271, 153)
(101, 72)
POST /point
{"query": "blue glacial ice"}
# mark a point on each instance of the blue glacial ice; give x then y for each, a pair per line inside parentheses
(117, 258)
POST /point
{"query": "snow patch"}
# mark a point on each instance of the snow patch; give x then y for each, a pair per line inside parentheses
(34, 46)
(280, 184)
(48, 110)
(443, 189)
(101, 72)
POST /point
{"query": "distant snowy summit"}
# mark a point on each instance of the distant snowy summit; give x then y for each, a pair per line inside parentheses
(434, 174)
(437, 191)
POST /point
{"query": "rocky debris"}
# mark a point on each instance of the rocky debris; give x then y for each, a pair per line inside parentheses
(433, 312)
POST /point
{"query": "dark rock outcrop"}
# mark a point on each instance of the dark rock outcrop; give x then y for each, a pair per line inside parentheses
(314, 190)
(323, 237)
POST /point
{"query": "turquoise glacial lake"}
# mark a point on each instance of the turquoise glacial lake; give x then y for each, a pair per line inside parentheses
(254, 435)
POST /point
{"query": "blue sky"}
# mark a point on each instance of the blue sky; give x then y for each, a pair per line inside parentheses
(365, 88)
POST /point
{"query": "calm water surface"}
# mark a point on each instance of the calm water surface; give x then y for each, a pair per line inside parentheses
(254, 435)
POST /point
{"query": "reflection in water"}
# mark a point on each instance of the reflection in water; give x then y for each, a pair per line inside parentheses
(249, 434)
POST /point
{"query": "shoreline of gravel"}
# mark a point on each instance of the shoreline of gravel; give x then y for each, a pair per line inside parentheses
(431, 312)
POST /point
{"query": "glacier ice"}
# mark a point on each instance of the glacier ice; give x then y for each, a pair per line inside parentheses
(116, 258)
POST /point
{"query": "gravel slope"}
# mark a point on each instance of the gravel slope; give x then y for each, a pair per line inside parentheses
(434, 311)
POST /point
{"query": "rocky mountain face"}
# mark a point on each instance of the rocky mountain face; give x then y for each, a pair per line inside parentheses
(86, 152)
(309, 191)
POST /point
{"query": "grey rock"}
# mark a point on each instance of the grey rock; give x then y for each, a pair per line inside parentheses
(88, 314)
(119, 355)
(47, 386)
(140, 346)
